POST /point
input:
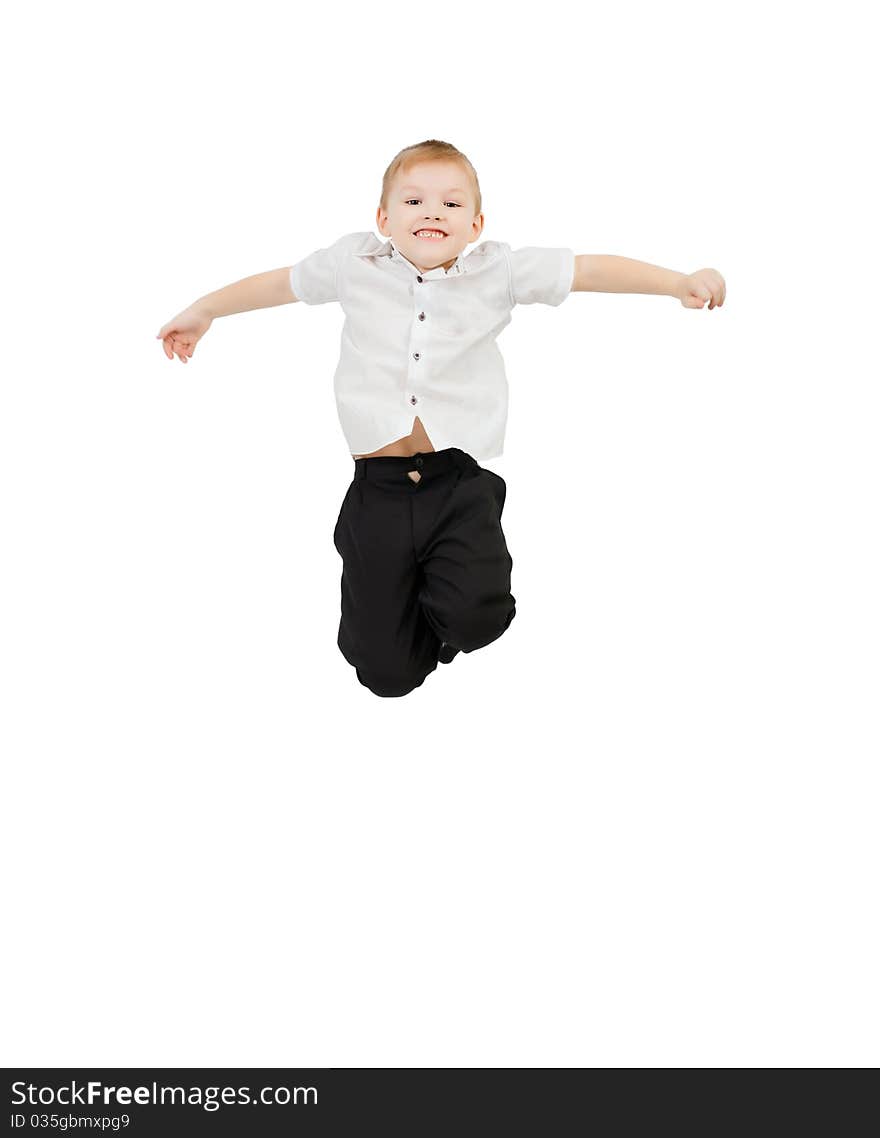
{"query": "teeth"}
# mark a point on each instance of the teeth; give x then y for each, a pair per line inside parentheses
(435, 233)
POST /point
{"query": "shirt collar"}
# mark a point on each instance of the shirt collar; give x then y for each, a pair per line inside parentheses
(389, 249)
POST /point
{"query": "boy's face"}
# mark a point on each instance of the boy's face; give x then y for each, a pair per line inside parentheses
(431, 195)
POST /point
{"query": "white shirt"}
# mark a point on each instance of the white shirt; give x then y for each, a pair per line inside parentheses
(423, 343)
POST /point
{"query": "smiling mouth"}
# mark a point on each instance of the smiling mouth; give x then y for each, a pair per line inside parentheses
(430, 235)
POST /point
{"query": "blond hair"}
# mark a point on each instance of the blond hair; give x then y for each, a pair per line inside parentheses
(431, 150)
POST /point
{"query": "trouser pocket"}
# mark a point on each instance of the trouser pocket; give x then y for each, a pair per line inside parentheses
(348, 494)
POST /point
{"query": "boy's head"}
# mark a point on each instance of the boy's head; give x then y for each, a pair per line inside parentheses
(431, 185)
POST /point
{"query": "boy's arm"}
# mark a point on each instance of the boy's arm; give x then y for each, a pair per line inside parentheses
(263, 290)
(599, 272)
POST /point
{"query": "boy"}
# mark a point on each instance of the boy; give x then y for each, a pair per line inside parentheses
(422, 399)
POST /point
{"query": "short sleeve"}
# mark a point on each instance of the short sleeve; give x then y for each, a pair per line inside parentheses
(540, 275)
(314, 278)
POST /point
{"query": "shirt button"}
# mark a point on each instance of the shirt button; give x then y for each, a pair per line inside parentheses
(413, 399)
(419, 279)
(417, 355)
(421, 316)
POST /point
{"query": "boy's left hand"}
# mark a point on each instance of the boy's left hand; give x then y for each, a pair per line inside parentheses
(703, 285)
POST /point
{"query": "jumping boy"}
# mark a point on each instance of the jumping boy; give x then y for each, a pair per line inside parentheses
(421, 395)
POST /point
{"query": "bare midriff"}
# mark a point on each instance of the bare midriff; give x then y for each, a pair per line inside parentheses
(415, 443)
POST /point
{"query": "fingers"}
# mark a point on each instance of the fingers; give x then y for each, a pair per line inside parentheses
(706, 285)
(175, 345)
(715, 292)
(166, 335)
(718, 289)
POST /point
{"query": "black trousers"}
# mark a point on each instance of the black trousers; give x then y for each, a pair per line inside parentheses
(424, 565)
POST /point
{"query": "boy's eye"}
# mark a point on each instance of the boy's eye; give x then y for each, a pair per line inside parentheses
(411, 200)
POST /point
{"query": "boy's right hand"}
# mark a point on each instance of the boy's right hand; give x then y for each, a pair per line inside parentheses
(180, 335)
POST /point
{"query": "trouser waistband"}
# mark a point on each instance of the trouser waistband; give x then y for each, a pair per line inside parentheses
(393, 470)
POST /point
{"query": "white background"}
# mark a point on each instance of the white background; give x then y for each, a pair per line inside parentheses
(640, 829)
